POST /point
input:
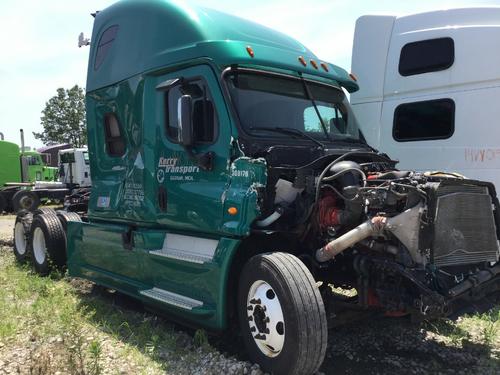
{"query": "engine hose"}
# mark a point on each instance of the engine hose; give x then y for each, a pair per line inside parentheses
(271, 218)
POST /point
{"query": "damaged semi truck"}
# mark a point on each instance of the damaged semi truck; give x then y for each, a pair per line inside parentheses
(231, 184)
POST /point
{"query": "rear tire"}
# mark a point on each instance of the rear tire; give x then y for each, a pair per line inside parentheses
(25, 200)
(22, 228)
(48, 244)
(279, 302)
(65, 216)
(3, 204)
(45, 210)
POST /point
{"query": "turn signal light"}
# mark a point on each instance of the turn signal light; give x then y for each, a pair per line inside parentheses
(250, 52)
(232, 211)
(302, 61)
(324, 66)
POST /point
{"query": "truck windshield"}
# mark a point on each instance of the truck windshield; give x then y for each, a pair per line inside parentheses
(277, 103)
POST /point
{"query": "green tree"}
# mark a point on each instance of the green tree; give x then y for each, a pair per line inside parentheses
(63, 118)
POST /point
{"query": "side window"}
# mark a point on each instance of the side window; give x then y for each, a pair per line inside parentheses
(426, 56)
(32, 160)
(115, 144)
(204, 114)
(105, 43)
(427, 120)
(67, 158)
(334, 119)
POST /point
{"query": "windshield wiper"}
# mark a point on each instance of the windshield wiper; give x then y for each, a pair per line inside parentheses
(291, 131)
(309, 95)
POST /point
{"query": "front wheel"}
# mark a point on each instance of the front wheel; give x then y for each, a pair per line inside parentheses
(281, 315)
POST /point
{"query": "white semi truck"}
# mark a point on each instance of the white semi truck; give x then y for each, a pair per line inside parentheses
(430, 88)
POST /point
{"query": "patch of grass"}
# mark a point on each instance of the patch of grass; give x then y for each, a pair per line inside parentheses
(59, 327)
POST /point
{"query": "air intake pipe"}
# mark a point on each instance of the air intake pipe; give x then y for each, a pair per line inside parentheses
(367, 229)
(404, 226)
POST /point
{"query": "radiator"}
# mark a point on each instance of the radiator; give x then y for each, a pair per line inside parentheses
(464, 226)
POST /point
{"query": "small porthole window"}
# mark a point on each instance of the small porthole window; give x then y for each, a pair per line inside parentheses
(115, 144)
(104, 45)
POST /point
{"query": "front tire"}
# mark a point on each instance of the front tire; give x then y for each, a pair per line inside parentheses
(48, 243)
(281, 314)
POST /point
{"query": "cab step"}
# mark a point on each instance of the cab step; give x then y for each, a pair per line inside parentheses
(171, 298)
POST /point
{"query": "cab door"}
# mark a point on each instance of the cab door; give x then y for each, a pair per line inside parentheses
(190, 193)
(183, 269)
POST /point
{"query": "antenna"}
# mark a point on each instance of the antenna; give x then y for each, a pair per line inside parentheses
(82, 41)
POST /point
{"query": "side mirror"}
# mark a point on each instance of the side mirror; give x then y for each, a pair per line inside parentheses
(185, 121)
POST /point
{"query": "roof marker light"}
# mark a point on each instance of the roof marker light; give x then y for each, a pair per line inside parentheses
(302, 60)
(353, 77)
(250, 52)
(314, 64)
(324, 66)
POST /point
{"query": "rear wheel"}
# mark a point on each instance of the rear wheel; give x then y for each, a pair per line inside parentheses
(45, 210)
(3, 204)
(21, 235)
(48, 243)
(281, 314)
(65, 216)
(25, 200)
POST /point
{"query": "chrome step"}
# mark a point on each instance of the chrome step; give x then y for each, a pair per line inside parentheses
(171, 298)
(187, 248)
(182, 255)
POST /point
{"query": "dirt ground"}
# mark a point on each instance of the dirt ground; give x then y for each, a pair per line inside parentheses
(6, 225)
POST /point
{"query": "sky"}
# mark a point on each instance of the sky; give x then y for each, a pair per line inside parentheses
(39, 50)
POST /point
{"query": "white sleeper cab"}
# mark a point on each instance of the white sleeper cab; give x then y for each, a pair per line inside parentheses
(430, 89)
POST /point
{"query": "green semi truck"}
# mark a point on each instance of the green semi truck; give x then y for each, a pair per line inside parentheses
(25, 166)
(20, 171)
(231, 186)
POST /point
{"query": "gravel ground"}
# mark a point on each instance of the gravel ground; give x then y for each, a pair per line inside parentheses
(6, 227)
(374, 345)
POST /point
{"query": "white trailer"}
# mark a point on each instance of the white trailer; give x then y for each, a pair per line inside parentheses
(430, 89)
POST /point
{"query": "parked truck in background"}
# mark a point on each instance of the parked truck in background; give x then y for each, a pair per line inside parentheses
(21, 169)
(231, 185)
(26, 180)
(429, 94)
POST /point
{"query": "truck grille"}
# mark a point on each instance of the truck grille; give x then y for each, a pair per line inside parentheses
(464, 226)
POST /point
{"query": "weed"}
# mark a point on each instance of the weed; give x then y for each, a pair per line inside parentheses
(95, 352)
(491, 327)
(152, 345)
(200, 338)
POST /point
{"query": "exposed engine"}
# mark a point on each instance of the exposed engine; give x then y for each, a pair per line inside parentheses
(406, 241)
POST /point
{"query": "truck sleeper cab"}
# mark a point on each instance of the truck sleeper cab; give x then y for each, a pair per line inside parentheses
(230, 181)
(429, 96)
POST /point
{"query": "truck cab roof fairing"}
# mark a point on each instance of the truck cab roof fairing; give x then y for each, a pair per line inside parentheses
(189, 33)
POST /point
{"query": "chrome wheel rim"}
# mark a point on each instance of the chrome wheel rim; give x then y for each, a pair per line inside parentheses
(39, 246)
(265, 318)
(20, 238)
